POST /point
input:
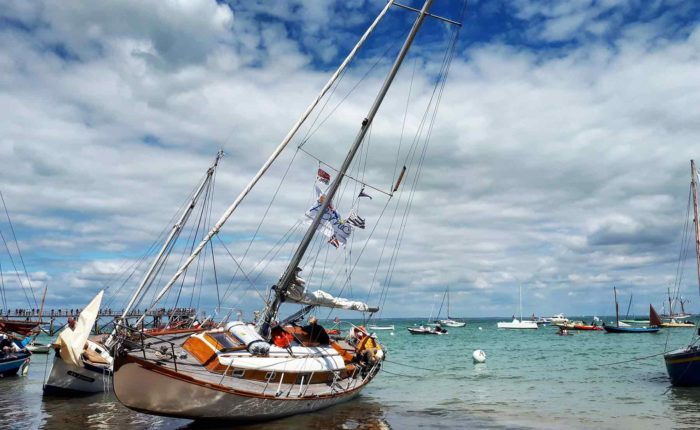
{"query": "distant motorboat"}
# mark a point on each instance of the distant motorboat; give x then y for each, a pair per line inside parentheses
(677, 324)
(427, 330)
(556, 319)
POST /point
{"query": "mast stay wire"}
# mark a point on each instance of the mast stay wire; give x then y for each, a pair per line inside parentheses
(262, 220)
(149, 252)
(684, 248)
(447, 62)
(384, 55)
(19, 252)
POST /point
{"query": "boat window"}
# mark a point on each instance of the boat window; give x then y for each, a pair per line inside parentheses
(269, 376)
(238, 373)
(223, 340)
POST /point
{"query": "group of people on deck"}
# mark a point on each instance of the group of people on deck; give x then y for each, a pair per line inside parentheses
(368, 350)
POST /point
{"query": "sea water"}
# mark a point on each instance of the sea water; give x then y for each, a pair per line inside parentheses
(531, 379)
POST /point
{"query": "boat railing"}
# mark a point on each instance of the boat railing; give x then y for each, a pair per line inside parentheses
(130, 341)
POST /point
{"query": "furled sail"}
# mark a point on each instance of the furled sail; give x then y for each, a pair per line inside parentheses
(297, 293)
(72, 340)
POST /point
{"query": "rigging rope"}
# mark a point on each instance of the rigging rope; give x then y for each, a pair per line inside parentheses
(19, 252)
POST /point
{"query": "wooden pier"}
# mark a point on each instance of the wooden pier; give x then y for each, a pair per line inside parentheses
(56, 319)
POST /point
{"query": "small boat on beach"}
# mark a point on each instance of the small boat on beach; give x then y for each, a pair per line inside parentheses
(12, 361)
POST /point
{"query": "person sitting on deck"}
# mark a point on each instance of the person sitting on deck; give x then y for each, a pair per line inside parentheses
(8, 345)
(369, 351)
(316, 332)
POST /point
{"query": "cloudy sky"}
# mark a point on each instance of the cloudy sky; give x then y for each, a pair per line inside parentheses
(559, 158)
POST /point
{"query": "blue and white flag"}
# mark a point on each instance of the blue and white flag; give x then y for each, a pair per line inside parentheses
(332, 225)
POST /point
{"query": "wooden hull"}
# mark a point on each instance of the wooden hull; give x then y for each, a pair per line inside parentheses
(683, 366)
(145, 387)
(614, 329)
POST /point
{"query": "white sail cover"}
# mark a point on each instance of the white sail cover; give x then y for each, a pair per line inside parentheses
(321, 298)
(72, 341)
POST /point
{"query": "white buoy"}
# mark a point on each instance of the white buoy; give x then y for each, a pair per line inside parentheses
(479, 328)
(479, 356)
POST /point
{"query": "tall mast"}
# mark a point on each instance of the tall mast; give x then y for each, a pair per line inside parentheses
(448, 302)
(694, 188)
(272, 158)
(271, 310)
(174, 233)
(617, 308)
(520, 291)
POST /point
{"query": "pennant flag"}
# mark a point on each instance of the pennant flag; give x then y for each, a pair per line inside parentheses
(323, 176)
(356, 220)
(334, 241)
(363, 194)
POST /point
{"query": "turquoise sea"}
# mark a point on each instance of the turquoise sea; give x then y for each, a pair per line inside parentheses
(531, 379)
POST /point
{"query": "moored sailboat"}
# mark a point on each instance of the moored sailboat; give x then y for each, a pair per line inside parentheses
(683, 364)
(518, 324)
(449, 321)
(82, 365)
(655, 321)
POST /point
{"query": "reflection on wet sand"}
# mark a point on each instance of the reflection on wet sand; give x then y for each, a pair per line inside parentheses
(360, 414)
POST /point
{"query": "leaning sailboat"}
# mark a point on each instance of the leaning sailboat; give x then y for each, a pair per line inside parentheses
(270, 368)
(683, 364)
(85, 367)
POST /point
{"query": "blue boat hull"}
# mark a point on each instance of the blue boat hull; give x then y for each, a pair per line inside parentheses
(11, 363)
(614, 329)
(683, 366)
